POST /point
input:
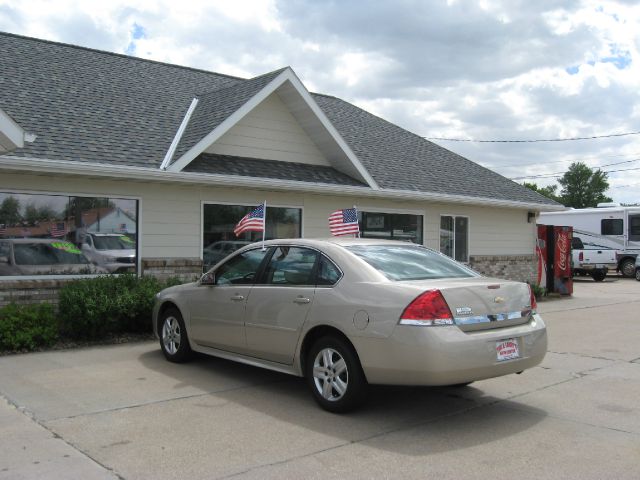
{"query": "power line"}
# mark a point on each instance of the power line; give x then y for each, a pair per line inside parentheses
(538, 140)
(581, 159)
(560, 174)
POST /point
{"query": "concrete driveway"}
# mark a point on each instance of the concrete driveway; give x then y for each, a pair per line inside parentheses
(124, 412)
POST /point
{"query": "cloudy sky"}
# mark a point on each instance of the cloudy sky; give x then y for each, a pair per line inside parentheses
(470, 70)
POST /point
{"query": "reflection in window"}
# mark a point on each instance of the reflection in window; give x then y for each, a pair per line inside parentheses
(60, 234)
(291, 266)
(328, 273)
(392, 226)
(454, 235)
(241, 269)
(219, 220)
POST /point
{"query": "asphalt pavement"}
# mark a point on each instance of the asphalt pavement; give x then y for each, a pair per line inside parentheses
(124, 412)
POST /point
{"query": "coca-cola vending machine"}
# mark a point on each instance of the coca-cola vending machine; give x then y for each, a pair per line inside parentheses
(553, 250)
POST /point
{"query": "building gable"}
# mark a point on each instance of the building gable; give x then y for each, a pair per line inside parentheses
(270, 131)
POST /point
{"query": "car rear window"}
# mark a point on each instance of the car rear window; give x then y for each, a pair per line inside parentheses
(410, 262)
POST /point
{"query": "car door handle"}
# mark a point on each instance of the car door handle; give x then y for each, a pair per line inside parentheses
(237, 298)
(301, 300)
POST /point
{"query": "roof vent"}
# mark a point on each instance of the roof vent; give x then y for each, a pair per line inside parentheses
(608, 205)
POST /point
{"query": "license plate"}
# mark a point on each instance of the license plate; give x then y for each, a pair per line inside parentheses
(507, 349)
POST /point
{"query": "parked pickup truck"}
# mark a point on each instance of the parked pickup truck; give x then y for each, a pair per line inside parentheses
(592, 259)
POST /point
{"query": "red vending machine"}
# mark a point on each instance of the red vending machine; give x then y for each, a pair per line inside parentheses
(553, 249)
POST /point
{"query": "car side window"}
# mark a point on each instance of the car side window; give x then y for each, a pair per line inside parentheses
(328, 273)
(241, 269)
(291, 266)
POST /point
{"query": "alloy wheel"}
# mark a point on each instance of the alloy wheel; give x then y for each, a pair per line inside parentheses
(330, 374)
(171, 335)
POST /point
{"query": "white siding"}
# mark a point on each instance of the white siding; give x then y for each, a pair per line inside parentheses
(271, 132)
(171, 214)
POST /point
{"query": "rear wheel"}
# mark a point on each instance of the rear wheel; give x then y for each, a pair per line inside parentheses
(334, 375)
(173, 336)
(598, 275)
(628, 267)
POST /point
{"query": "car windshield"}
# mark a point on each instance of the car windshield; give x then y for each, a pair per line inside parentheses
(410, 262)
(115, 242)
(55, 253)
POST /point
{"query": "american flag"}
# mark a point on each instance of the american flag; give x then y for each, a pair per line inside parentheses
(251, 222)
(344, 222)
(58, 229)
(3, 229)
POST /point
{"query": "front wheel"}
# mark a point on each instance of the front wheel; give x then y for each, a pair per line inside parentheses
(638, 274)
(173, 336)
(598, 275)
(334, 374)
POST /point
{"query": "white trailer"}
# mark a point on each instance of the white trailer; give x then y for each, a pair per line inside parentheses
(613, 226)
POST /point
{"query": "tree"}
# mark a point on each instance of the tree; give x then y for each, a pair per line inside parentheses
(549, 191)
(10, 211)
(582, 187)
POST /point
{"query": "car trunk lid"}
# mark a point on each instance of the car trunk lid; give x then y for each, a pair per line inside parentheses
(485, 303)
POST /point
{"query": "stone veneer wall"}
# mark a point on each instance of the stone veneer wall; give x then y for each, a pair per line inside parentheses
(30, 291)
(187, 269)
(40, 291)
(523, 268)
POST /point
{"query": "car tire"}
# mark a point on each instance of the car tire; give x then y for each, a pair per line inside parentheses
(638, 274)
(334, 375)
(173, 336)
(627, 267)
(598, 275)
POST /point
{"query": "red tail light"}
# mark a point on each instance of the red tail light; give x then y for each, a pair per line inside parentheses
(429, 309)
(534, 304)
(581, 256)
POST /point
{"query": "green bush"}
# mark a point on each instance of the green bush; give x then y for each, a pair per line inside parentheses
(96, 307)
(27, 327)
(538, 291)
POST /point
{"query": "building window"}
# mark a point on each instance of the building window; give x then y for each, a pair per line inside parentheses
(67, 235)
(392, 226)
(634, 228)
(454, 237)
(611, 226)
(218, 239)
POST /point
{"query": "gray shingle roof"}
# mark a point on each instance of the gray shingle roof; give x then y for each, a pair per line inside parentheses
(400, 160)
(215, 106)
(253, 167)
(86, 105)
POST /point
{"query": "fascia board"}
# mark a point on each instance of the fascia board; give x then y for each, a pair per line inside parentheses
(326, 123)
(11, 134)
(226, 125)
(65, 167)
(179, 133)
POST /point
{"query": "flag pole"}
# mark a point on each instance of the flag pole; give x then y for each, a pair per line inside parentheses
(358, 234)
(264, 223)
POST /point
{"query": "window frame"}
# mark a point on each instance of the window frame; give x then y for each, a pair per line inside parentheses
(139, 233)
(398, 211)
(242, 204)
(467, 261)
(602, 222)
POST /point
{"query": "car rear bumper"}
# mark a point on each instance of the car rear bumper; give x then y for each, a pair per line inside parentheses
(415, 355)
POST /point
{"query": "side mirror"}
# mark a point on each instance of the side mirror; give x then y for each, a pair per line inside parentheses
(208, 278)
